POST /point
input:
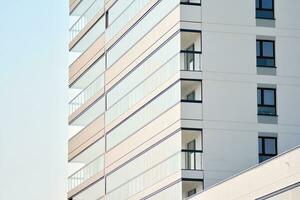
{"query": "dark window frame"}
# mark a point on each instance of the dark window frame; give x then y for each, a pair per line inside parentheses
(188, 2)
(263, 138)
(262, 101)
(261, 56)
(260, 8)
(194, 52)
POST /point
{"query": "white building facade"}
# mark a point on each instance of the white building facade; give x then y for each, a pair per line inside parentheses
(169, 97)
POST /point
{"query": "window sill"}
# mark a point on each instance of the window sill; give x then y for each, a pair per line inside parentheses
(265, 18)
(261, 66)
(268, 115)
(191, 101)
(192, 4)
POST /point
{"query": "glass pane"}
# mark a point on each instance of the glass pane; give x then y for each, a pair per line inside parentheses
(263, 110)
(269, 97)
(260, 145)
(264, 158)
(267, 4)
(268, 49)
(265, 62)
(257, 3)
(265, 14)
(191, 145)
(270, 146)
(259, 96)
(191, 96)
(258, 48)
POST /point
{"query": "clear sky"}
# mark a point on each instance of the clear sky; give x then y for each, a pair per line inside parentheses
(33, 99)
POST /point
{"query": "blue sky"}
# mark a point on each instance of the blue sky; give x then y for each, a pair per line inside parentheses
(33, 101)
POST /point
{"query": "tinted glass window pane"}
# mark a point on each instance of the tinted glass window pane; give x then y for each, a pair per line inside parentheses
(266, 62)
(263, 110)
(258, 96)
(270, 146)
(268, 49)
(267, 4)
(264, 14)
(258, 48)
(264, 158)
(269, 97)
(257, 3)
(260, 145)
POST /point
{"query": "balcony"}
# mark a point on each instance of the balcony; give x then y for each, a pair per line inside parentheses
(191, 154)
(90, 91)
(86, 172)
(94, 192)
(190, 54)
(83, 14)
(191, 187)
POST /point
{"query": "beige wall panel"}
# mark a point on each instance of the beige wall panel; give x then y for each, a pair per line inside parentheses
(157, 186)
(130, 23)
(119, 161)
(85, 184)
(87, 58)
(109, 3)
(73, 4)
(143, 56)
(81, 69)
(86, 137)
(85, 105)
(85, 29)
(160, 124)
(146, 42)
(142, 102)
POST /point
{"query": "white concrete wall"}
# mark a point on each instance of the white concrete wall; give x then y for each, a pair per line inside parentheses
(230, 127)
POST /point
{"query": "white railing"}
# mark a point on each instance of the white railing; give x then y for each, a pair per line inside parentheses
(86, 94)
(85, 18)
(86, 172)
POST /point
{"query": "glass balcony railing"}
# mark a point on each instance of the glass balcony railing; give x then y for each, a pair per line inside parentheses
(85, 18)
(86, 172)
(86, 94)
(190, 61)
(191, 159)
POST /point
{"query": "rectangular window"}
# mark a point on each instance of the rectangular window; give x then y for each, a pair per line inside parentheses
(265, 9)
(266, 101)
(267, 147)
(265, 53)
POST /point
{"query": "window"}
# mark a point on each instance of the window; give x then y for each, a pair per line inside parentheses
(190, 161)
(190, 58)
(191, 192)
(190, 50)
(265, 53)
(265, 9)
(267, 148)
(191, 96)
(266, 101)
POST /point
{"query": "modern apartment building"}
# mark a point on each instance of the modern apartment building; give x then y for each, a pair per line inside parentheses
(170, 97)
